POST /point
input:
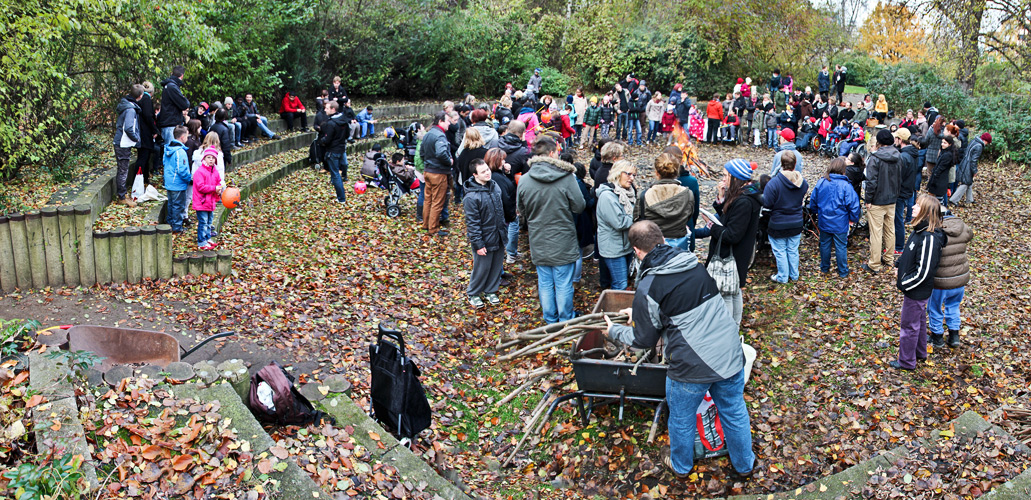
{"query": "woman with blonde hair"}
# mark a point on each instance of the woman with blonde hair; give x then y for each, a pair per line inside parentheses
(615, 210)
(472, 148)
(917, 268)
(880, 110)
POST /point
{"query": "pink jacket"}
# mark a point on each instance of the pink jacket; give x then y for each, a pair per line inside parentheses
(205, 182)
(530, 119)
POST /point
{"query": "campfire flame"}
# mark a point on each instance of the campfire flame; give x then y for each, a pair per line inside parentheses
(690, 158)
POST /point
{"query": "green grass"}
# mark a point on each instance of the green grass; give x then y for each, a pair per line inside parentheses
(853, 89)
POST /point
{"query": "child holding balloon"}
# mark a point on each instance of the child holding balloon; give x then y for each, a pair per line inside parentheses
(207, 186)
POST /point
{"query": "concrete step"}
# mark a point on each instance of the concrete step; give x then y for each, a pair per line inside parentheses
(382, 114)
(842, 484)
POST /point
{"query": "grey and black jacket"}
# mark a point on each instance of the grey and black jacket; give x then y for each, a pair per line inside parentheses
(678, 301)
(128, 121)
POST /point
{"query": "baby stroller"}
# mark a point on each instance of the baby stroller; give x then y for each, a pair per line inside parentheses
(395, 186)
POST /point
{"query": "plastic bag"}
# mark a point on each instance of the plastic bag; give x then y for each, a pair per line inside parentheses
(137, 185)
(709, 442)
(151, 194)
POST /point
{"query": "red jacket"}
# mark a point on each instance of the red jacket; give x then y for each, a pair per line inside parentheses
(291, 104)
(668, 118)
(714, 110)
(567, 130)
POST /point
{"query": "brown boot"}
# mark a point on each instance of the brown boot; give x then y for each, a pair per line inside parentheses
(127, 201)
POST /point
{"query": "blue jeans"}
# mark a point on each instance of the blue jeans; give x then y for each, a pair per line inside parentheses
(653, 130)
(785, 250)
(947, 301)
(174, 209)
(619, 269)
(368, 128)
(555, 288)
(635, 131)
(512, 247)
(683, 399)
(912, 198)
(333, 162)
(263, 125)
(238, 128)
(771, 138)
(683, 243)
(839, 242)
(902, 207)
(578, 267)
(621, 124)
(203, 226)
(603, 129)
(166, 135)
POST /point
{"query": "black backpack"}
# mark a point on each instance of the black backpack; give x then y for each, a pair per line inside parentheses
(288, 406)
(398, 398)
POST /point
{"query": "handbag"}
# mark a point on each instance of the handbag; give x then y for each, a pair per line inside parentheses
(724, 271)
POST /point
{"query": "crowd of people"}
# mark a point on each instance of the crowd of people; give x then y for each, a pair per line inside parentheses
(513, 166)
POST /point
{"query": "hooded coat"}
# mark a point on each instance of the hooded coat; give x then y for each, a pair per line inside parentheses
(205, 188)
(677, 301)
(668, 204)
(517, 154)
(883, 176)
(489, 135)
(909, 172)
(128, 122)
(172, 103)
(548, 197)
(484, 215)
(613, 224)
(176, 167)
(835, 203)
(953, 267)
(784, 195)
(938, 182)
(740, 224)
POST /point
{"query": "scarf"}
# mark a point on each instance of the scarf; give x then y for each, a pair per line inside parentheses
(626, 197)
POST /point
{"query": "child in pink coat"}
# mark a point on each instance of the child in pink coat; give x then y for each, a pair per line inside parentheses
(207, 186)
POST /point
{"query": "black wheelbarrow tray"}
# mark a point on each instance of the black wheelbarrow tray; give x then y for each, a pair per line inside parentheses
(123, 346)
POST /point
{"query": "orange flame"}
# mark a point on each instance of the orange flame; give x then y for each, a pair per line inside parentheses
(690, 152)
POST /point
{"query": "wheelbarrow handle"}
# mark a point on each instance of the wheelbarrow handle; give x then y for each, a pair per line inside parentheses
(205, 341)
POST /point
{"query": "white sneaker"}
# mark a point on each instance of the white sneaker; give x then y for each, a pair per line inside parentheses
(511, 259)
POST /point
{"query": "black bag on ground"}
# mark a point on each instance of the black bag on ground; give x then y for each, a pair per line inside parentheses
(398, 398)
(273, 399)
(316, 154)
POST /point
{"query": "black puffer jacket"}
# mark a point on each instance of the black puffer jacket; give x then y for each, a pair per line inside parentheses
(740, 224)
(909, 171)
(148, 122)
(484, 215)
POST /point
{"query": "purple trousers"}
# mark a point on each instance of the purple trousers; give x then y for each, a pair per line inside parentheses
(913, 334)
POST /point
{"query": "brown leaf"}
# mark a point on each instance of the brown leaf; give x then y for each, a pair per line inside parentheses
(264, 466)
(34, 400)
(182, 462)
(150, 451)
(183, 484)
(151, 473)
(279, 452)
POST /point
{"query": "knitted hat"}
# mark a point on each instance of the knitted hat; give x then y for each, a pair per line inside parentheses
(670, 107)
(884, 138)
(228, 101)
(594, 100)
(740, 80)
(739, 168)
(986, 137)
(210, 152)
(788, 134)
(903, 133)
(927, 104)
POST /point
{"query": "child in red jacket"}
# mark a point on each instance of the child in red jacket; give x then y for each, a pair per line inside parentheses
(668, 119)
(207, 186)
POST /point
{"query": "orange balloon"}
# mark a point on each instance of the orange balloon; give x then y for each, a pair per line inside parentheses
(231, 198)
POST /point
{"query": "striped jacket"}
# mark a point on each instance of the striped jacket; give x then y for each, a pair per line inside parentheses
(678, 301)
(919, 262)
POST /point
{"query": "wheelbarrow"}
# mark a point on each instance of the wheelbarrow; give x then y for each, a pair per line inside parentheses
(124, 346)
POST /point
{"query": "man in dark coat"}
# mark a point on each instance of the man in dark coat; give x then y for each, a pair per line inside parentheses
(148, 129)
(883, 183)
(173, 103)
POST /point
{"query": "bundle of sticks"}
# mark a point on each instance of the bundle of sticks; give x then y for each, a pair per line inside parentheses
(557, 334)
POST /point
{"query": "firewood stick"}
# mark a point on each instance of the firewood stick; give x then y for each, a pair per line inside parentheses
(645, 355)
(521, 388)
(531, 428)
(587, 318)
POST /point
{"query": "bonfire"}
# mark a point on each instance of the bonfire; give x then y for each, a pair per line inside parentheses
(690, 152)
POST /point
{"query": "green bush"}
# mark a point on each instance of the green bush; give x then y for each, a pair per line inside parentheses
(862, 69)
(1008, 118)
(910, 86)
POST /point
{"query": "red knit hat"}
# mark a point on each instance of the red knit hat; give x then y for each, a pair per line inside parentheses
(986, 137)
(740, 80)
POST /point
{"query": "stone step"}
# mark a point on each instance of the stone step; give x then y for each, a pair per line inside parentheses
(840, 485)
(384, 115)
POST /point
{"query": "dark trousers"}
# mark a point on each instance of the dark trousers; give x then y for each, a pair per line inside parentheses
(289, 118)
(122, 156)
(486, 275)
(913, 332)
(712, 130)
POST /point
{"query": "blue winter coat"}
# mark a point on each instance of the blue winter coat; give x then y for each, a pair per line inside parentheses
(177, 167)
(835, 204)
